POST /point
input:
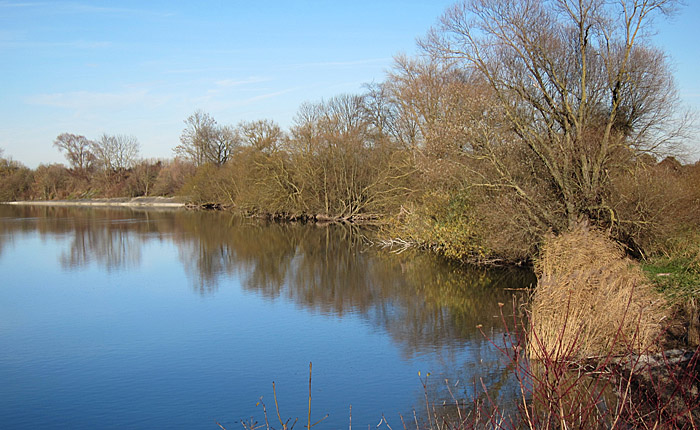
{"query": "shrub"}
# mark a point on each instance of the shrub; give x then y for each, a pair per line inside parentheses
(209, 185)
(51, 181)
(589, 294)
(15, 180)
(445, 224)
(654, 206)
(172, 177)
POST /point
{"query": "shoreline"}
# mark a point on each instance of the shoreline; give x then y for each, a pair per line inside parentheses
(156, 202)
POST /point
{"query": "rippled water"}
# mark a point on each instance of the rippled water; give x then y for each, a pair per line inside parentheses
(121, 318)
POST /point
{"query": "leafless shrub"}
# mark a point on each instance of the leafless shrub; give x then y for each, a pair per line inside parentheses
(588, 295)
(655, 207)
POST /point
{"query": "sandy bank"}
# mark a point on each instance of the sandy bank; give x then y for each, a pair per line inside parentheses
(161, 202)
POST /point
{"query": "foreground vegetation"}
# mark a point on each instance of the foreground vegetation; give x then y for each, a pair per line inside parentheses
(521, 121)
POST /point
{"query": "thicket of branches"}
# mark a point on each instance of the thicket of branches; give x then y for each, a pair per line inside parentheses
(519, 118)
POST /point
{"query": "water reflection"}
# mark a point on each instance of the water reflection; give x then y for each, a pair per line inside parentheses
(423, 303)
(118, 248)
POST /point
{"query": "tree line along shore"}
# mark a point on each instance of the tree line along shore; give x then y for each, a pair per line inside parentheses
(524, 132)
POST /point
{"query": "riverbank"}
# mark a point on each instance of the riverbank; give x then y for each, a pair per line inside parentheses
(159, 202)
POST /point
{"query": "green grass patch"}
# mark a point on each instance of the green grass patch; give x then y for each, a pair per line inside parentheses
(677, 278)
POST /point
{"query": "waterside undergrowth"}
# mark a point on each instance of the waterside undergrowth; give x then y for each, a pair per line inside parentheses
(588, 351)
(623, 390)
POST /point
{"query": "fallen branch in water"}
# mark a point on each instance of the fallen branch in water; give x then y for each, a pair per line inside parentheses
(401, 244)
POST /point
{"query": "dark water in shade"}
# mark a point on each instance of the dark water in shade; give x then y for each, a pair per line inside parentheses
(120, 318)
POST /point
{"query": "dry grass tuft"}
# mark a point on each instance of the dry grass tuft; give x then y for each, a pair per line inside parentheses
(591, 300)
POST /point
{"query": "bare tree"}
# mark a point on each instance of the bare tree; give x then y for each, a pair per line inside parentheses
(381, 112)
(116, 153)
(224, 142)
(433, 100)
(77, 150)
(577, 91)
(342, 167)
(50, 181)
(263, 135)
(204, 141)
(196, 137)
(143, 177)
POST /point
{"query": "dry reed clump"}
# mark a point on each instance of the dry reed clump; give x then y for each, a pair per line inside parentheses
(591, 300)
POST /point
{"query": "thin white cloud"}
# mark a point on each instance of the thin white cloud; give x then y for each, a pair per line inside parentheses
(199, 70)
(226, 83)
(216, 102)
(87, 100)
(227, 87)
(76, 44)
(87, 8)
(337, 64)
(268, 95)
(77, 7)
(18, 5)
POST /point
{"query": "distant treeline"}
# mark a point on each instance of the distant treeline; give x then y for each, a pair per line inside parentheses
(58, 182)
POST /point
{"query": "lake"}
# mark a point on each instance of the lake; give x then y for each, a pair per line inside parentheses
(146, 318)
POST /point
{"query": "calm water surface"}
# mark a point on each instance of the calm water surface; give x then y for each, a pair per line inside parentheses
(173, 319)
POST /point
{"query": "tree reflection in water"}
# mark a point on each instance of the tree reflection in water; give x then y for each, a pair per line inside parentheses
(424, 303)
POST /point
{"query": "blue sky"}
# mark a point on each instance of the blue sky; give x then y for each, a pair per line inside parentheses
(142, 67)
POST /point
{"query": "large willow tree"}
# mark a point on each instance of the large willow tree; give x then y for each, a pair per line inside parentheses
(576, 91)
